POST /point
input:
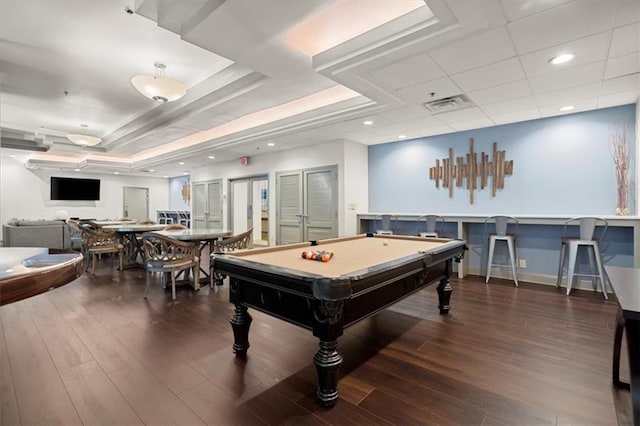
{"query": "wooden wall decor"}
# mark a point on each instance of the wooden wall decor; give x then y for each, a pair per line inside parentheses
(465, 171)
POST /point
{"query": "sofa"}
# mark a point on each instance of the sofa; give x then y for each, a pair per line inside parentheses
(36, 233)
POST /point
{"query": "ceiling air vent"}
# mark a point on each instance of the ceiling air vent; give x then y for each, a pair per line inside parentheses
(452, 103)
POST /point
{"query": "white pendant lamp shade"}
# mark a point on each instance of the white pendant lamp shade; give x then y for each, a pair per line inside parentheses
(83, 138)
(158, 87)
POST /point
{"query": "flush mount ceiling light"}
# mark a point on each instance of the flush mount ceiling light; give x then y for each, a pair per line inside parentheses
(83, 138)
(561, 59)
(159, 87)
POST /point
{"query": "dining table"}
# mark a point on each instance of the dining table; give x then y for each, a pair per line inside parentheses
(128, 236)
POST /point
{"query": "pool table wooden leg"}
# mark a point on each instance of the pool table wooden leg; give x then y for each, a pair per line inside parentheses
(444, 295)
(240, 323)
(327, 361)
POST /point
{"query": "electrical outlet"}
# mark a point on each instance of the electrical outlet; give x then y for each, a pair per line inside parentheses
(522, 263)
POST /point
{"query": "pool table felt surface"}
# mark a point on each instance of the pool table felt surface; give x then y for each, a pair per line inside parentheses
(350, 255)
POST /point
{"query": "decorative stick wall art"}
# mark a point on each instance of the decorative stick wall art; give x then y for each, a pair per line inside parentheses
(458, 172)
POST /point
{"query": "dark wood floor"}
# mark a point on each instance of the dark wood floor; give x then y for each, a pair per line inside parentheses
(96, 352)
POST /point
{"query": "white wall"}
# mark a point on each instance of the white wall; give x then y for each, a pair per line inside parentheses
(24, 194)
(330, 153)
(355, 184)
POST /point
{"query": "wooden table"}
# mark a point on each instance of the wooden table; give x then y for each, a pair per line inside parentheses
(626, 286)
(366, 274)
(128, 237)
(27, 271)
(98, 224)
(206, 239)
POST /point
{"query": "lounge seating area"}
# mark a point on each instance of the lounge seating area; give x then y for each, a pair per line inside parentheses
(36, 233)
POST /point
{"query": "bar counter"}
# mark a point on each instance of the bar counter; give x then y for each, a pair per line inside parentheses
(538, 240)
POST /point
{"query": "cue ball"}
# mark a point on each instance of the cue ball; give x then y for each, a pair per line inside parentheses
(385, 242)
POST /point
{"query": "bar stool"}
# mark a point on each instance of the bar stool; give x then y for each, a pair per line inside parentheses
(588, 240)
(385, 224)
(502, 223)
(433, 225)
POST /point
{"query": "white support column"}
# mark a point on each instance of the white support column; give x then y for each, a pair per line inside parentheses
(637, 148)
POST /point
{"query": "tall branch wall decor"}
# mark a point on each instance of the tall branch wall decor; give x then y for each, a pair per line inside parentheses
(619, 145)
(456, 173)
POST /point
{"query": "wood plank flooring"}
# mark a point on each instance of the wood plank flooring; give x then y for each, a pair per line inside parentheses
(96, 352)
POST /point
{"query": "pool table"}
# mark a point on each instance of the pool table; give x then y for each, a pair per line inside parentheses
(366, 274)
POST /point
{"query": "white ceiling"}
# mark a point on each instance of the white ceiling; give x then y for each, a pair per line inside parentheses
(69, 62)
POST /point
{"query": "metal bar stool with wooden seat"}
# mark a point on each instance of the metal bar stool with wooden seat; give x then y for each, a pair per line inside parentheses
(501, 225)
(588, 227)
(433, 225)
(169, 256)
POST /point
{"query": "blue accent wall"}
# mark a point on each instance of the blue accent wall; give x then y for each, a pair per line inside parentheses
(562, 165)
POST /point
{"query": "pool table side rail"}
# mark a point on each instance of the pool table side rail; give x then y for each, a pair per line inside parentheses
(323, 288)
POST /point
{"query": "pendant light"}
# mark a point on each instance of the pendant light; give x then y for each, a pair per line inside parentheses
(83, 138)
(159, 87)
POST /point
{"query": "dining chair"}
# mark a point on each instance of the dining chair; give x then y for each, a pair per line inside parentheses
(75, 234)
(96, 243)
(174, 227)
(234, 242)
(169, 256)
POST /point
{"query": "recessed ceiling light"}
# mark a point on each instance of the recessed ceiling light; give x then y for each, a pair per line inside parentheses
(212, 157)
(165, 176)
(567, 108)
(367, 122)
(116, 173)
(181, 163)
(77, 170)
(402, 136)
(561, 59)
(185, 173)
(271, 144)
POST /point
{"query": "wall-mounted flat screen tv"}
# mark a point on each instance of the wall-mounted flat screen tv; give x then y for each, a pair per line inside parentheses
(75, 189)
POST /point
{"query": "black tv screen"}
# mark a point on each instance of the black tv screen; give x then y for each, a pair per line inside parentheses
(75, 189)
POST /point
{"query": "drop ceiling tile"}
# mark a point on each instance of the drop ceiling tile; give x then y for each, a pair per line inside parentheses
(620, 98)
(405, 113)
(570, 77)
(472, 124)
(420, 93)
(514, 117)
(481, 49)
(568, 95)
(583, 105)
(587, 50)
(622, 65)
(520, 104)
(489, 75)
(409, 72)
(462, 115)
(625, 40)
(628, 11)
(620, 84)
(516, 9)
(504, 92)
(569, 21)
